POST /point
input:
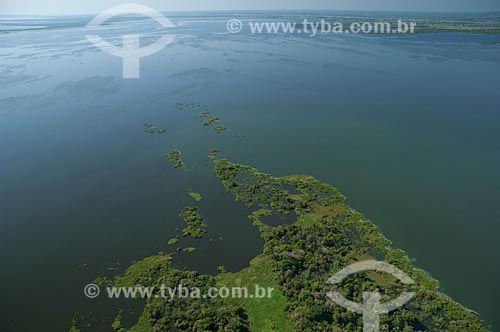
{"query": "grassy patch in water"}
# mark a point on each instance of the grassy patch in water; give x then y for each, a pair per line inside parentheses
(173, 241)
(265, 314)
(196, 196)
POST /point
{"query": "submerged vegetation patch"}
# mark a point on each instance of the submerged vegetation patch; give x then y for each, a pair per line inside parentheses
(219, 129)
(213, 154)
(150, 129)
(203, 114)
(211, 121)
(190, 106)
(74, 325)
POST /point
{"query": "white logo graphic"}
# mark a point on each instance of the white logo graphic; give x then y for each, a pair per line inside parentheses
(371, 308)
(91, 291)
(234, 26)
(131, 52)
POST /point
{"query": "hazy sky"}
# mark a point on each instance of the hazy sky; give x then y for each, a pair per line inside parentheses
(95, 6)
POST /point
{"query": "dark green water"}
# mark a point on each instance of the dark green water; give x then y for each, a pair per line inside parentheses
(406, 127)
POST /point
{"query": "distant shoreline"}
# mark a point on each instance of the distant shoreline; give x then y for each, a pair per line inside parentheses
(427, 22)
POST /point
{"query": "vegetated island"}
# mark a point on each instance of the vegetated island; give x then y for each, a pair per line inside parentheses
(196, 226)
(297, 261)
(175, 158)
